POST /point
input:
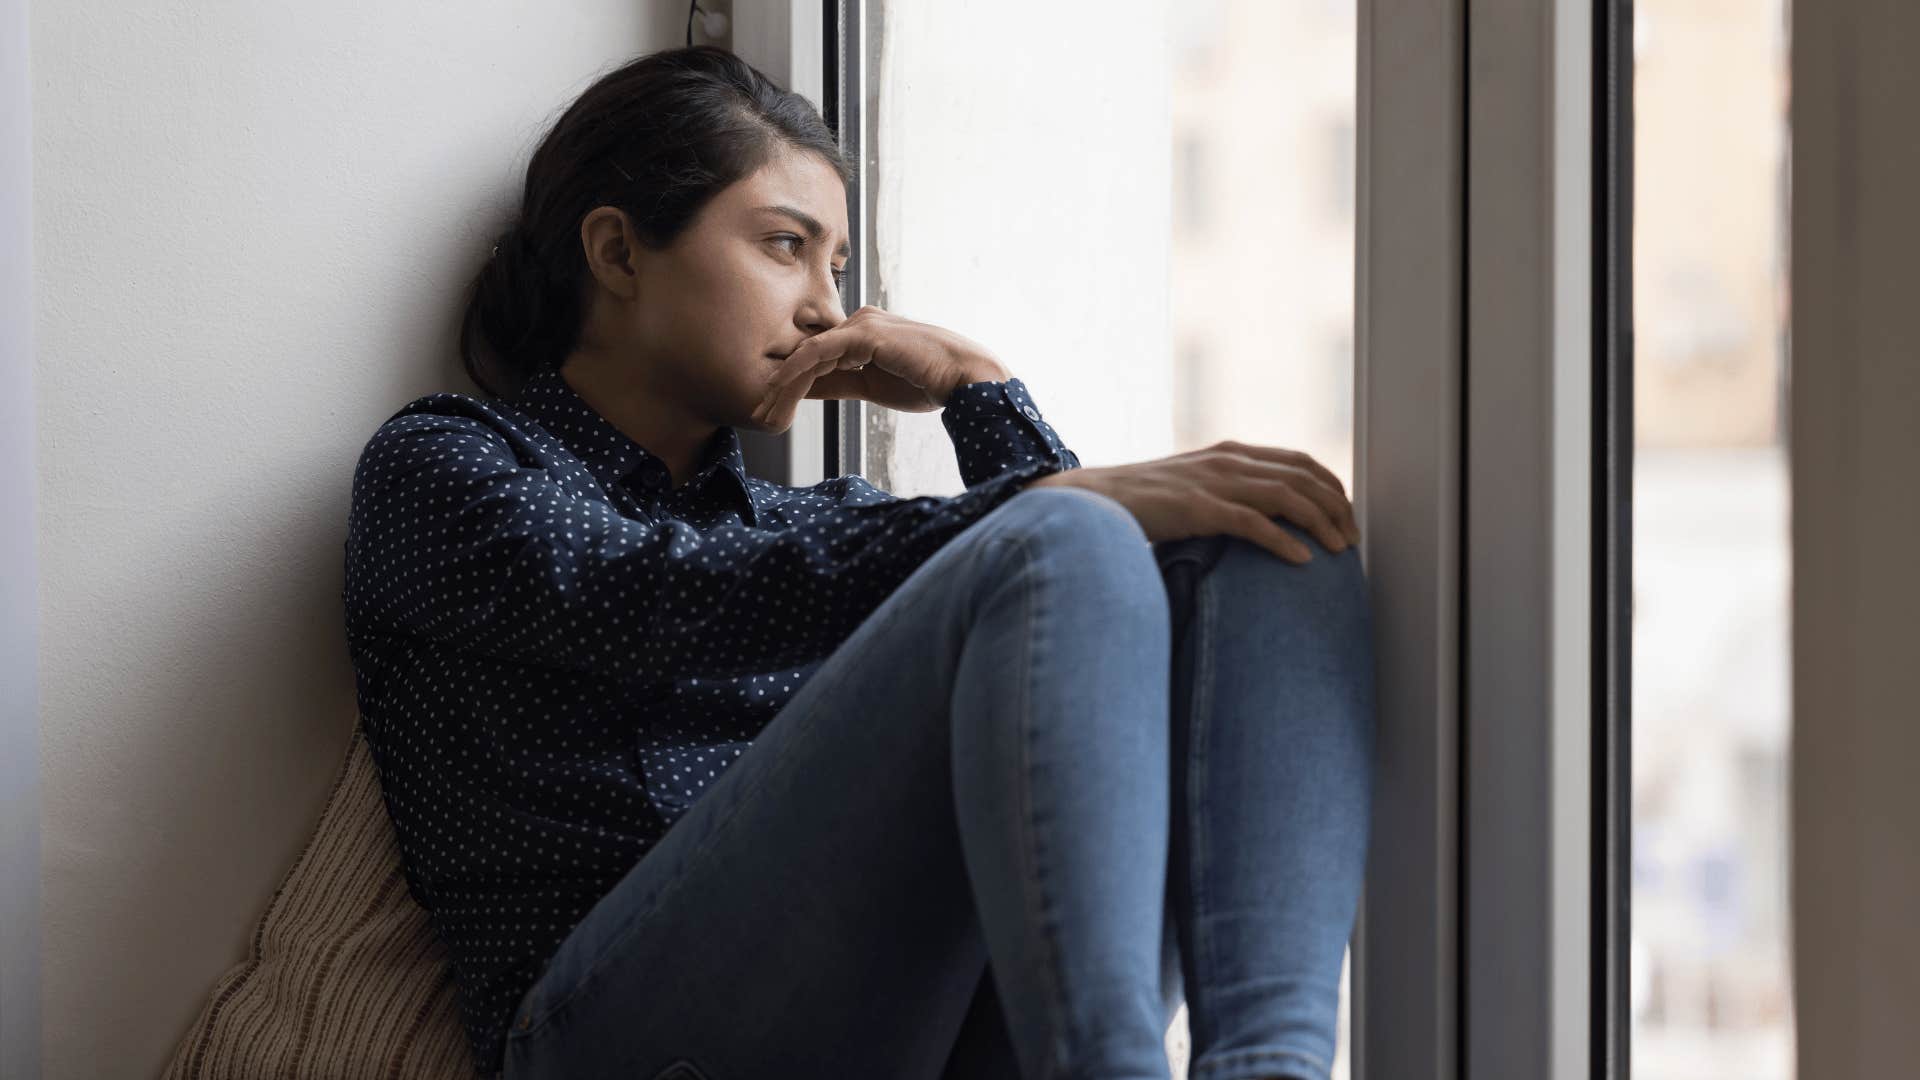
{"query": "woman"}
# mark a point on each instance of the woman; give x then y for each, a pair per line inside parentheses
(972, 786)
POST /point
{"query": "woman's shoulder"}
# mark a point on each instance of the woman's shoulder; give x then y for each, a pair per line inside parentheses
(449, 413)
(446, 427)
(451, 405)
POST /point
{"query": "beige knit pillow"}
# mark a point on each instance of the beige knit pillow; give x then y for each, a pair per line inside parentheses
(346, 977)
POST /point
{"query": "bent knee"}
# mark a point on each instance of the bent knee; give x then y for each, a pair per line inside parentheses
(1056, 515)
(1086, 544)
(1334, 578)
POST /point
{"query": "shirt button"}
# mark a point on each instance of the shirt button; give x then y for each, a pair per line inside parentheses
(1032, 413)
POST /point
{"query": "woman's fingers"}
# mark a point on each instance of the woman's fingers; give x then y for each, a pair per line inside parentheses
(1336, 511)
(843, 348)
(1294, 492)
(790, 387)
(809, 354)
(1239, 519)
(1289, 501)
(1306, 461)
(1323, 487)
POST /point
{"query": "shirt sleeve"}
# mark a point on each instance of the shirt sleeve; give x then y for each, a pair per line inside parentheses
(452, 538)
(996, 426)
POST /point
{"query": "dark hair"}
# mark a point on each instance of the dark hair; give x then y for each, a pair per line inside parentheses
(658, 138)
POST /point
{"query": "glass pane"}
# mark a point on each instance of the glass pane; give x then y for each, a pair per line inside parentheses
(1709, 961)
(1144, 208)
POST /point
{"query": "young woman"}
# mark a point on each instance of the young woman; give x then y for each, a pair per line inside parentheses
(701, 775)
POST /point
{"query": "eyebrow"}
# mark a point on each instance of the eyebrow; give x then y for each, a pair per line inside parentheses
(807, 221)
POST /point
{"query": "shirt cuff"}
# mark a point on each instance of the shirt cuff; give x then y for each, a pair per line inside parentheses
(995, 425)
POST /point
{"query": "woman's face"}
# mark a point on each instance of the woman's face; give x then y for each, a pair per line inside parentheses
(703, 323)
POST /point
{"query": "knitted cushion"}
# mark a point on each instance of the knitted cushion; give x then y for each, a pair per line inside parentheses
(346, 977)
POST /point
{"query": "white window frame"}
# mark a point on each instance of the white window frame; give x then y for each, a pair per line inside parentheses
(1473, 467)
(1408, 283)
(1529, 549)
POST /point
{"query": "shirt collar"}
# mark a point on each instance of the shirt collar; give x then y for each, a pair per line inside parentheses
(612, 457)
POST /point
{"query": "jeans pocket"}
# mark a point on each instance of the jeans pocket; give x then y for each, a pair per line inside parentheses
(681, 1070)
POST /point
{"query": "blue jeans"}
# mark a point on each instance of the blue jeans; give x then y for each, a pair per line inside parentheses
(1060, 781)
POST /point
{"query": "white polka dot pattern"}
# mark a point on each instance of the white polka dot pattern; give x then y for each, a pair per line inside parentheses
(556, 651)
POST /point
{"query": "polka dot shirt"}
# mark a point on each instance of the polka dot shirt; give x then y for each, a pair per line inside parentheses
(556, 650)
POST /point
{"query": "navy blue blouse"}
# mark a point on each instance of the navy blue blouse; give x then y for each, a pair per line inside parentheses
(555, 649)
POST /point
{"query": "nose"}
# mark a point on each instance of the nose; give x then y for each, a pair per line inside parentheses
(823, 309)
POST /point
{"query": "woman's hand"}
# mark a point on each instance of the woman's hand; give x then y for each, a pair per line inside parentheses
(1232, 488)
(875, 355)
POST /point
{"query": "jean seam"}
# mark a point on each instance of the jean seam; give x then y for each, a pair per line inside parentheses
(1197, 748)
(1036, 900)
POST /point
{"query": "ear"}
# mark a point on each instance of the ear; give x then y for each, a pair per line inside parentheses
(610, 247)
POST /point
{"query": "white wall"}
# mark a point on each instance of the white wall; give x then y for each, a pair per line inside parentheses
(251, 226)
(1022, 201)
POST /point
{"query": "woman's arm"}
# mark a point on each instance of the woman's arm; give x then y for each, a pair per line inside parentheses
(451, 538)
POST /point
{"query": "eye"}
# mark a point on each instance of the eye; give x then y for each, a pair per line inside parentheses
(839, 276)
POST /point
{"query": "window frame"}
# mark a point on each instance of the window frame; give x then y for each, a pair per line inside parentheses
(1493, 142)
(814, 47)
(1527, 789)
(1409, 332)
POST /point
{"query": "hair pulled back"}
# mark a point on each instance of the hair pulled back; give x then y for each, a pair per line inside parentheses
(657, 138)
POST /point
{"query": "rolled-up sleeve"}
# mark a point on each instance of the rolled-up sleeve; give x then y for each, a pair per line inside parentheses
(996, 426)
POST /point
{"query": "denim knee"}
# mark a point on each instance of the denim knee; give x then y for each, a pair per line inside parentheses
(1072, 515)
(1332, 580)
(1085, 536)
(1330, 591)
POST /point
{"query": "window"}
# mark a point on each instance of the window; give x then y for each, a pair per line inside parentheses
(1155, 254)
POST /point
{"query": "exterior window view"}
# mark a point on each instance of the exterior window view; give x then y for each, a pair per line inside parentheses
(1166, 260)
(1709, 964)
